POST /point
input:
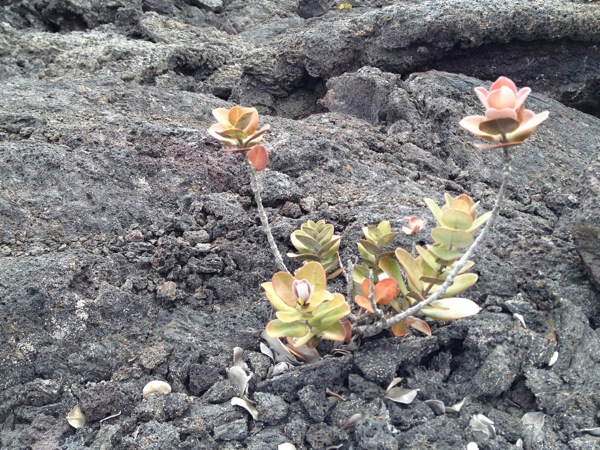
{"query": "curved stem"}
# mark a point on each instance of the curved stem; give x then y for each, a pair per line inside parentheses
(263, 215)
(370, 330)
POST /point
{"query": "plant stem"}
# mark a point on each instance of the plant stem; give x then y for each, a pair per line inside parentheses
(263, 215)
(370, 330)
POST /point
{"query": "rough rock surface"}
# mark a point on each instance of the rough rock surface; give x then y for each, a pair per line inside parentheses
(131, 251)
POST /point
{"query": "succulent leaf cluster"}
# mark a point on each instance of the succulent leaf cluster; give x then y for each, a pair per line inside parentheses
(403, 280)
(237, 128)
(306, 311)
(316, 241)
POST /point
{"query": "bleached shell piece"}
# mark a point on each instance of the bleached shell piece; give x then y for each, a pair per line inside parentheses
(236, 401)
(520, 318)
(240, 378)
(75, 418)
(437, 406)
(536, 419)
(286, 446)
(265, 350)
(394, 382)
(238, 354)
(553, 359)
(519, 443)
(472, 446)
(401, 395)
(482, 427)
(457, 407)
(156, 387)
(592, 431)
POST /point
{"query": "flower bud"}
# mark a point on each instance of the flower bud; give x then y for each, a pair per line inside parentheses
(302, 290)
(415, 223)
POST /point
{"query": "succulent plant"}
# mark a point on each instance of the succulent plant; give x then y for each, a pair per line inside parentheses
(404, 281)
(317, 242)
(237, 128)
(506, 120)
(306, 311)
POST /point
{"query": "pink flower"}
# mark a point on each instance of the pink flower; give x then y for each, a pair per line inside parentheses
(302, 289)
(506, 120)
(415, 223)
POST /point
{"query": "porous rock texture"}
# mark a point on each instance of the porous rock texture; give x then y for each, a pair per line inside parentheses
(131, 250)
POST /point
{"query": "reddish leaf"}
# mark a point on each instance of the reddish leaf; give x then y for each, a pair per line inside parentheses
(259, 157)
(386, 291)
(418, 324)
(399, 329)
(364, 303)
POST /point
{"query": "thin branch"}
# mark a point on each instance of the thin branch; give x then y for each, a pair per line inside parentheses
(370, 330)
(263, 215)
(378, 313)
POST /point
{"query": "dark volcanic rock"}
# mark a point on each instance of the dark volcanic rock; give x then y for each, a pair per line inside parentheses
(131, 249)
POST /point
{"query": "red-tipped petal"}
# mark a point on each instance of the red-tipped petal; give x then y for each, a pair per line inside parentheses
(527, 128)
(495, 114)
(482, 93)
(502, 98)
(504, 82)
(258, 157)
(521, 96)
(471, 124)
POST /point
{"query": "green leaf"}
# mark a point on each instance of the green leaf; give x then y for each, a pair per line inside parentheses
(428, 258)
(335, 332)
(452, 238)
(307, 242)
(368, 257)
(386, 240)
(329, 313)
(304, 257)
(244, 120)
(444, 254)
(385, 227)
(304, 340)
(411, 268)
(292, 316)
(393, 270)
(432, 280)
(435, 209)
(278, 329)
(480, 221)
(329, 249)
(325, 235)
(314, 273)
(456, 219)
(460, 284)
(360, 273)
(233, 133)
(274, 299)
(451, 309)
(372, 234)
(282, 285)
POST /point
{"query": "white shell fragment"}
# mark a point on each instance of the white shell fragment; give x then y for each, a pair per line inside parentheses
(437, 406)
(156, 387)
(75, 417)
(553, 359)
(286, 446)
(265, 350)
(401, 395)
(534, 418)
(279, 368)
(472, 446)
(236, 401)
(482, 427)
(240, 378)
(238, 354)
(519, 443)
(520, 318)
(394, 382)
(592, 431)
(457, 407)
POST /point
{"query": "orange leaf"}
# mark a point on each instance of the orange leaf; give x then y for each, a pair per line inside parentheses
(399, 329)
(258, 157)
(386, 291)
(364, 303)
(418, 324)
